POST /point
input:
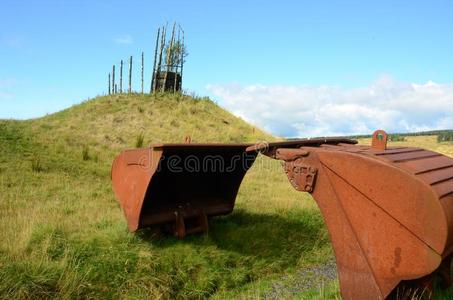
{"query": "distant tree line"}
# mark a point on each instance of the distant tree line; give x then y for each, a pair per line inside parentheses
(445, 136)
(396, 138)
(442, 135)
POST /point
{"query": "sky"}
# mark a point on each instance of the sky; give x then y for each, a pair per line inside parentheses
(293, 68)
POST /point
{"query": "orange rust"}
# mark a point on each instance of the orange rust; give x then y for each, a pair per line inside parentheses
(388, 210)
(379, 140)
(154, 184)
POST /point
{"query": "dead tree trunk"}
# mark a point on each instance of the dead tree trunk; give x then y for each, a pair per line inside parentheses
(121, 76)
(130, 74)
(162, 46)
(176, 63)
(182, 59)
(143, 62)
(113, 80)
(169, 57)
(152, 87)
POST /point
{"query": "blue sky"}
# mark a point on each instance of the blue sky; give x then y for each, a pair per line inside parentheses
(57, 53)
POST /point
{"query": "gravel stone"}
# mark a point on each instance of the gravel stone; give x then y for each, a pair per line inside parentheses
(306, 278)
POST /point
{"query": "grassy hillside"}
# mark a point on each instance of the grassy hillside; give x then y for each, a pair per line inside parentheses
(63, 233)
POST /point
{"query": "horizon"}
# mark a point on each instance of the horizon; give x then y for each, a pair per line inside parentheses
(293, 69)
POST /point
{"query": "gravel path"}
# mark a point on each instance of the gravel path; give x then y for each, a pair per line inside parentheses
(307, 278)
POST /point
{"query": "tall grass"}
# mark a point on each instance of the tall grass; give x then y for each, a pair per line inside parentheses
(36, 164)
(139, 140)
(85, 152)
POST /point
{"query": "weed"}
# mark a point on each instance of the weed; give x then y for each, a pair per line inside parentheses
(85, 153)
(36, 164)
(139, 140)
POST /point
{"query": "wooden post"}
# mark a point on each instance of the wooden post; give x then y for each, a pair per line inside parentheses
(170, 50)
(182, 58)
(162, 46)
(121, 76)
(116, 91)
(169, 58)
(176, 68)
(143, 62)
(113, 80)
(152, 87)
(109, 85)
(130, 74)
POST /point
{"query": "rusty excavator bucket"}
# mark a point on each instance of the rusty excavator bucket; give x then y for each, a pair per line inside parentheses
(388, 210)
(179, 185)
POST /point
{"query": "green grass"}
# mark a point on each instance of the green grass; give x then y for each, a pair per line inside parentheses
(63, 233)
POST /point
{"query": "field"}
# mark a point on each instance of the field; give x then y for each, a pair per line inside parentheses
(63, 234)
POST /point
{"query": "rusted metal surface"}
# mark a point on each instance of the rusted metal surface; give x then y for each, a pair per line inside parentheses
(180, 185)
(379, 140)
(388, 210)
(270, 148)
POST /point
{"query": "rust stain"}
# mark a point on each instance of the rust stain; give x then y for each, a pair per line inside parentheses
(397, 260)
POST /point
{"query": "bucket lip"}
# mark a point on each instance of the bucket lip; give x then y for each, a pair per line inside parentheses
(268, 147)
(254, 146)
(200, 145)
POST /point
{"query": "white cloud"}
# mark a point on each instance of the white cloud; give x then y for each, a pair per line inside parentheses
(307, 111)
(5, 85)
(6, 96)
(124, 40)
(14, 41)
